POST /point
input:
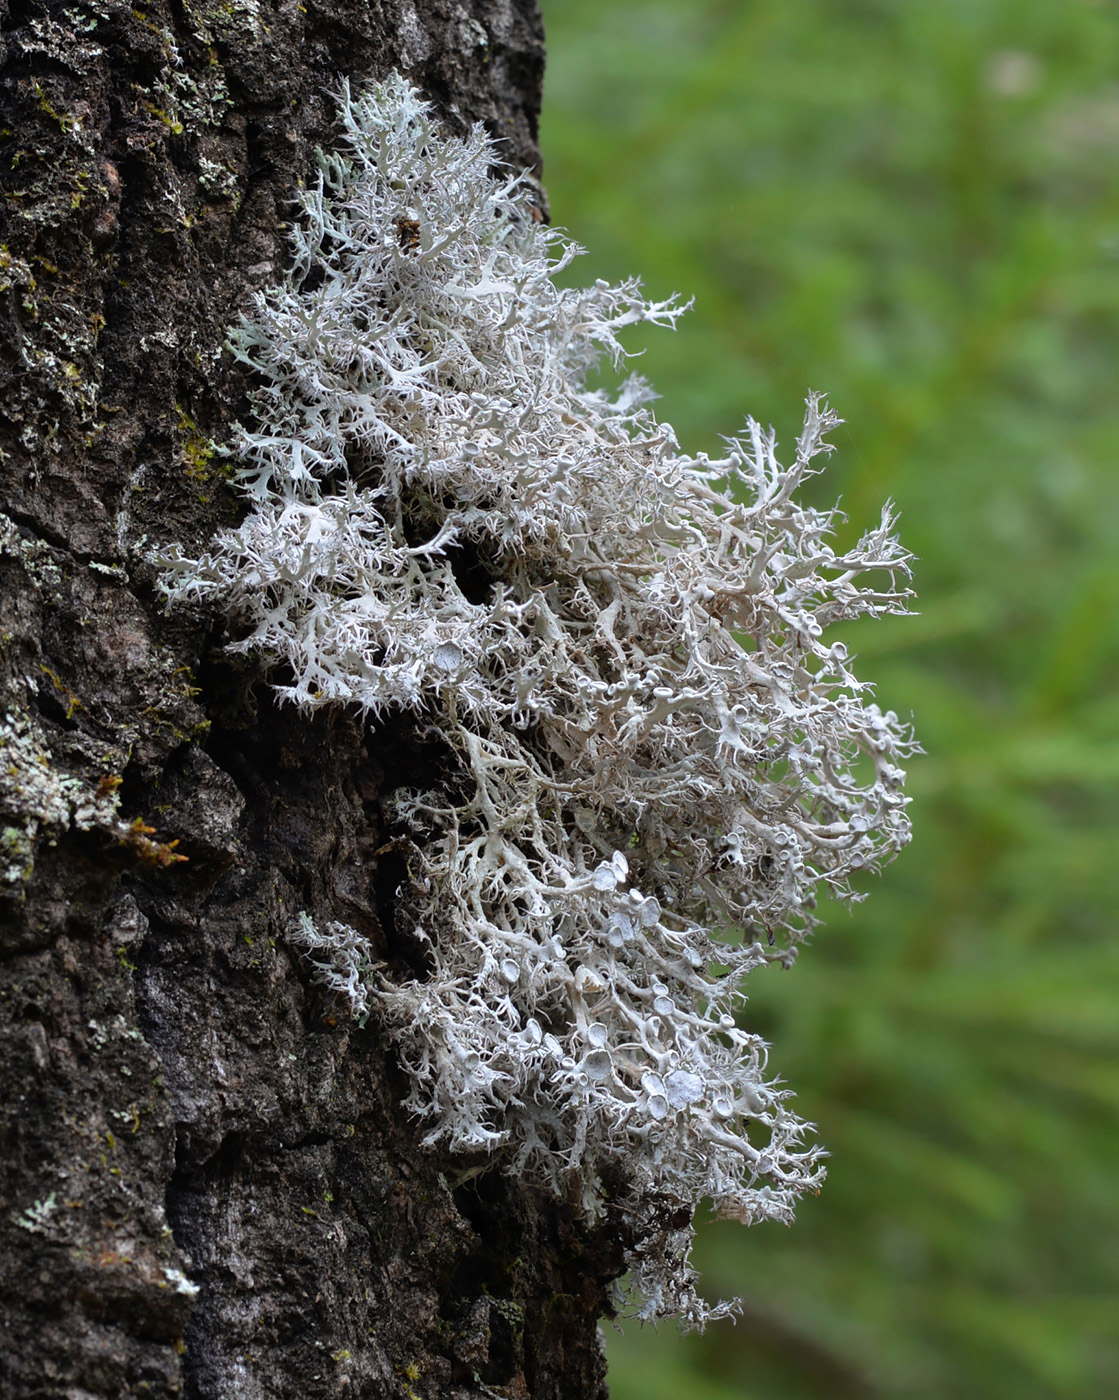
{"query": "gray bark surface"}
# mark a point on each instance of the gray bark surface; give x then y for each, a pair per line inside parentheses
(208, 1186)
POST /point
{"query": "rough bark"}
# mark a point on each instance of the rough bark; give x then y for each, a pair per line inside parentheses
(208, 1187)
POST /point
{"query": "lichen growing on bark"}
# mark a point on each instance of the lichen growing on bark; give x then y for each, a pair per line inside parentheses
(655, 760)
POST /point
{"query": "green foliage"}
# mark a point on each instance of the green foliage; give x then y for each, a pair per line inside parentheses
(912, 206)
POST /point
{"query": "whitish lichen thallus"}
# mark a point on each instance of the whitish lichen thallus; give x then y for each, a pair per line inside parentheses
(655, 757)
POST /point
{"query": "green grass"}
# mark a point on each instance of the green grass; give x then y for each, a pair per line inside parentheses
(913, 205)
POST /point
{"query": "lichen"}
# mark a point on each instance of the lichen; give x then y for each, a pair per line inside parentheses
(341, 959)
(196, 449)
(42, 797)
(34, 556)
(654, 759)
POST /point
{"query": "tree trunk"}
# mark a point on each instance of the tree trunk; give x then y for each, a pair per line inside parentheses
(209, 1187)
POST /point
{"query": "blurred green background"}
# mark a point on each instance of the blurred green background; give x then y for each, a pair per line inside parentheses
(913, 205)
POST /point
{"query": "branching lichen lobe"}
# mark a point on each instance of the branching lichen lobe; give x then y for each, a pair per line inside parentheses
(621, 645)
